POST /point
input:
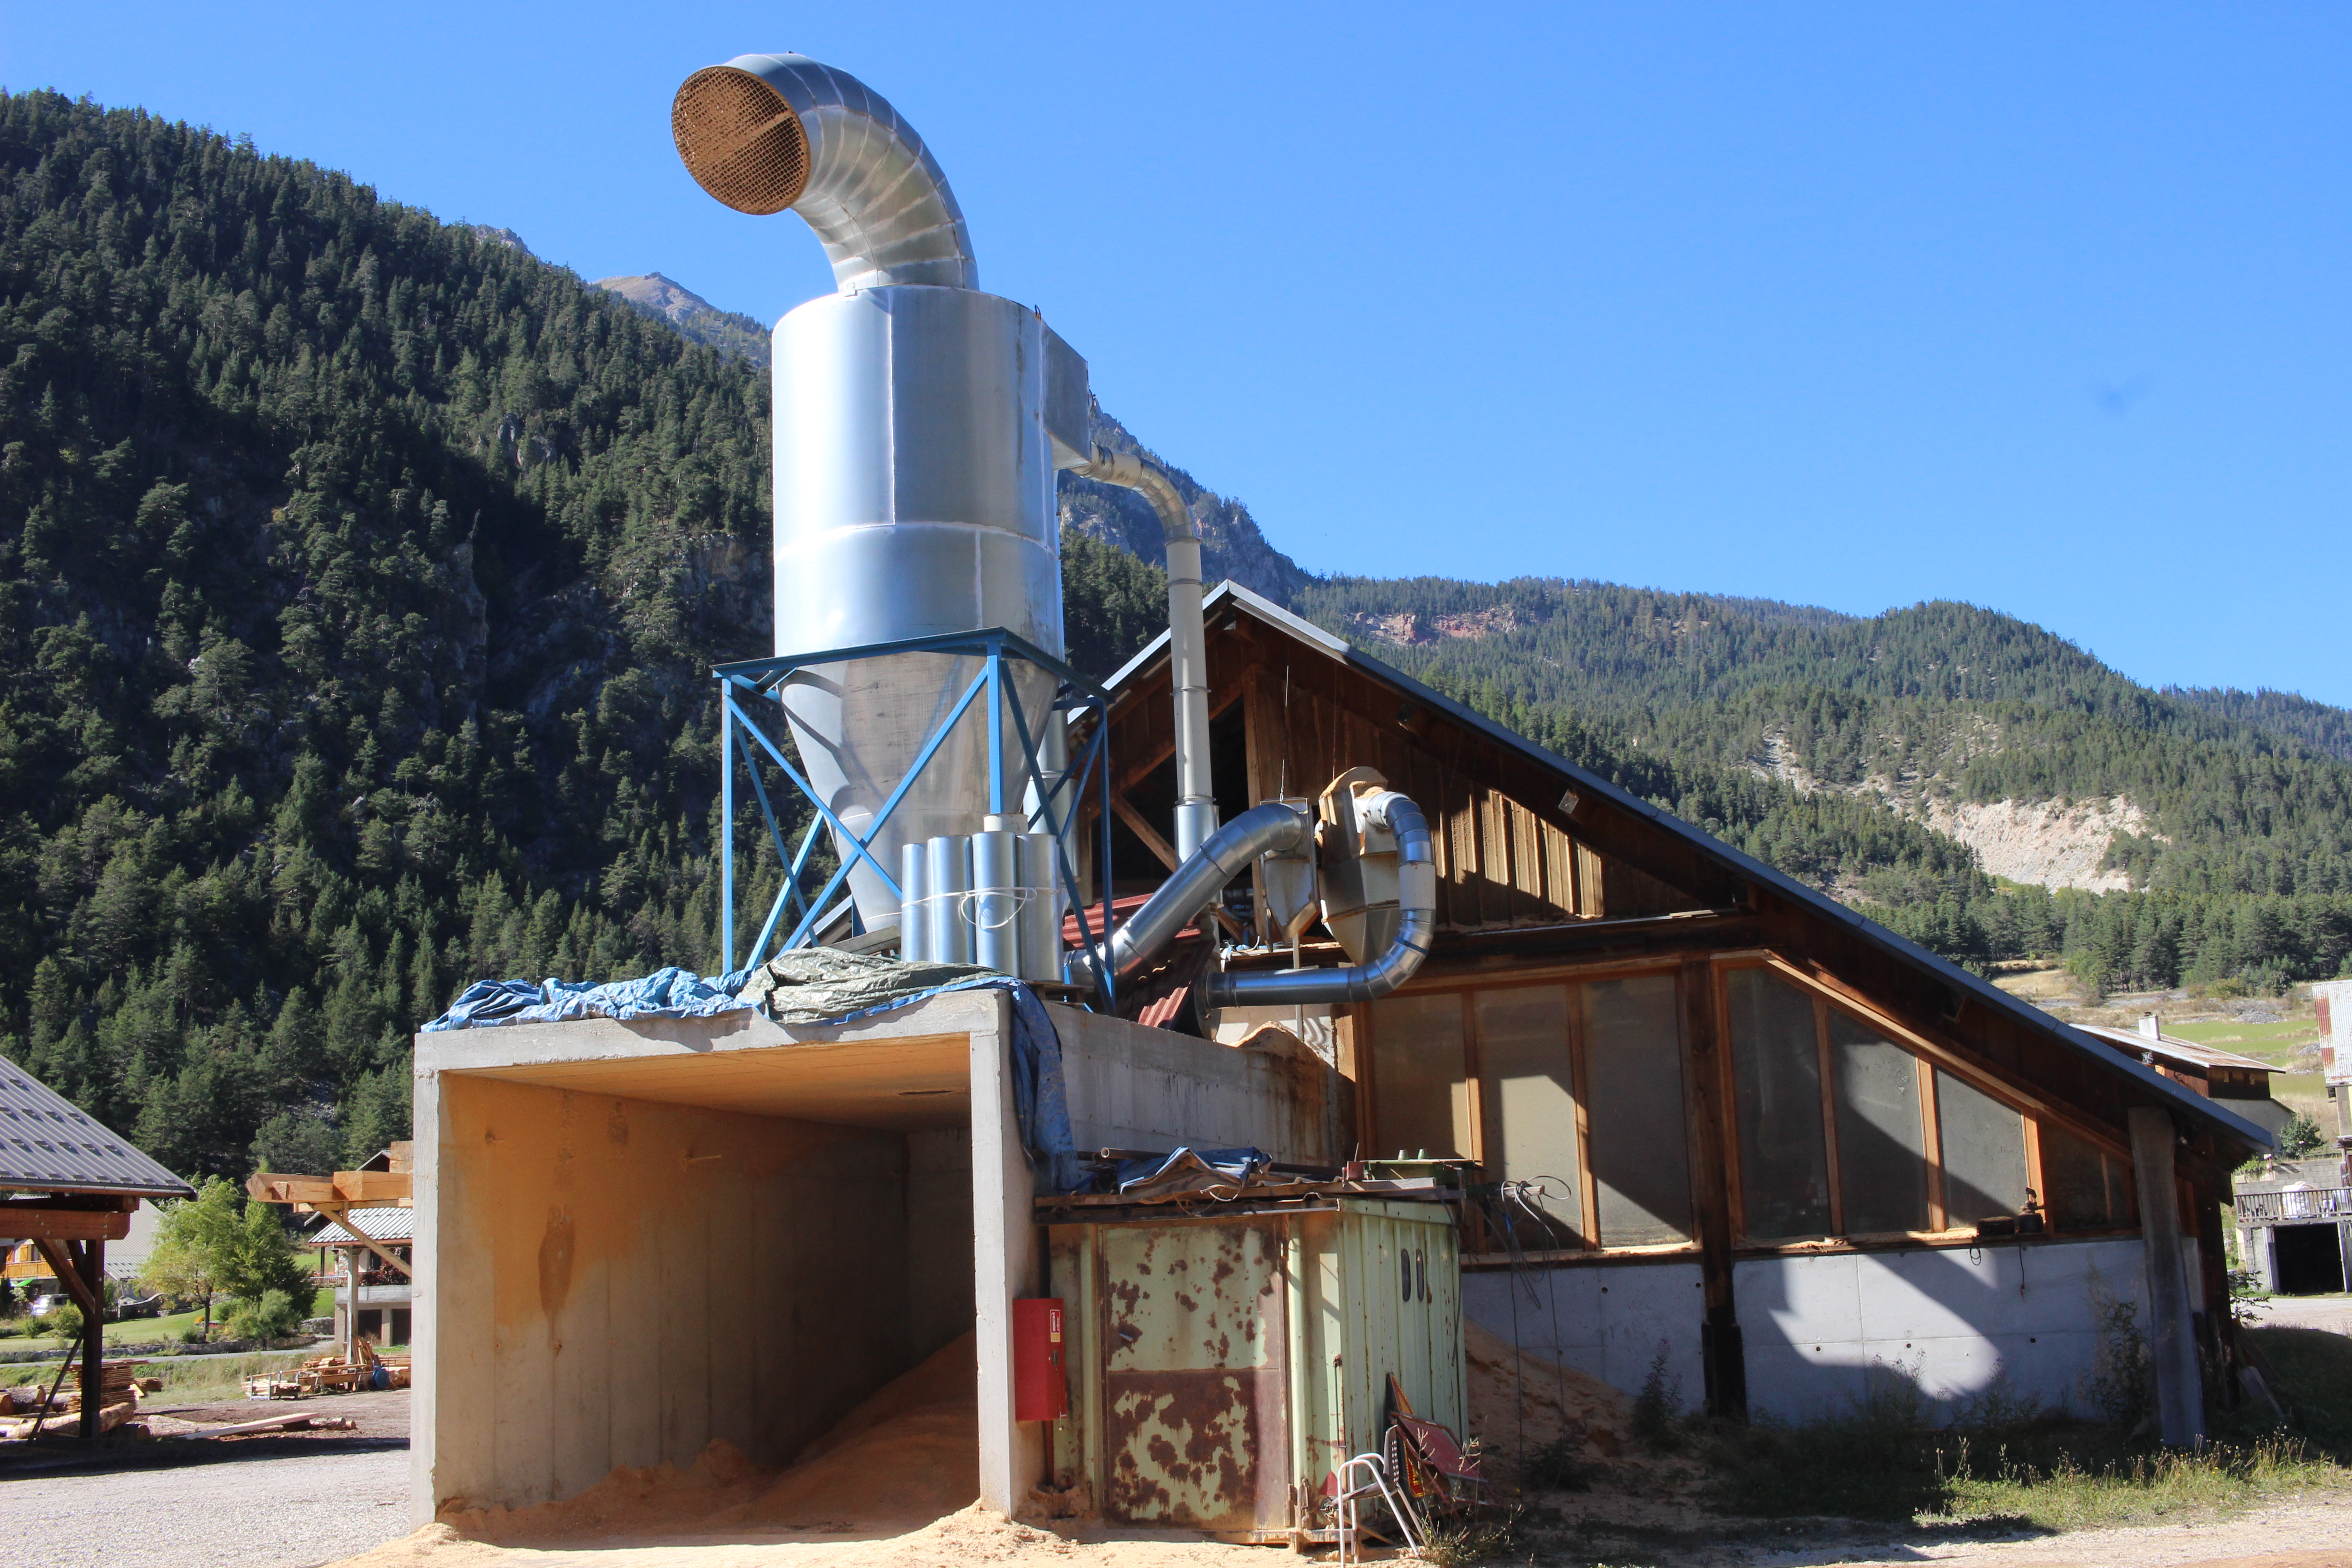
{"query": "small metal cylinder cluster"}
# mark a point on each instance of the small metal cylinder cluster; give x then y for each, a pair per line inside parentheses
(989, 897)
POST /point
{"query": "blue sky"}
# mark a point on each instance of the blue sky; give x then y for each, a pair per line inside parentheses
(2044, 307)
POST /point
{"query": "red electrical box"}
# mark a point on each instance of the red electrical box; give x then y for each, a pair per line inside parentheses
(1041, 1383)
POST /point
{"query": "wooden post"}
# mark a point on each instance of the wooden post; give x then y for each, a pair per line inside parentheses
(92, 1260)
(1721, 1351)
(2172, 1340)
(351, 1301)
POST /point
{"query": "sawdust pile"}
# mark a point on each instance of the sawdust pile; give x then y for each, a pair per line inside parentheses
(1515, 1393)
(969, 1538)
(907, 1454)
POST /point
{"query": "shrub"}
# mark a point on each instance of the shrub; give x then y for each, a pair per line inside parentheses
(1559, 1466)
(1655, 1407)
(64, 1322)
(272, 1315)
(2121, 1386)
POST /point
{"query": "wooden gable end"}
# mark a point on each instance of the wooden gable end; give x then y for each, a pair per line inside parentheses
(1513, 849)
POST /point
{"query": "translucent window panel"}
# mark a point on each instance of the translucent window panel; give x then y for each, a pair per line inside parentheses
(1421, 1099)
(1882, 1136)
(2088, 1189)
(1983, 1145)
(1784, 1166)
(1633, 1072)
(1531, 1120)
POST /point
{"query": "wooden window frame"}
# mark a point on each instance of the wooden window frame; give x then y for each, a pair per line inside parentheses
(1928, 1059)
(1570, 978)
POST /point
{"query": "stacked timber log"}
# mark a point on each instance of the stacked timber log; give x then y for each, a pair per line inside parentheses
(331, 1375)
(28, 1411)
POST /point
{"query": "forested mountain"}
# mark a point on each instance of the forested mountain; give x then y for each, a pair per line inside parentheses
(360, 576)
(1854, 752)
(359, 580)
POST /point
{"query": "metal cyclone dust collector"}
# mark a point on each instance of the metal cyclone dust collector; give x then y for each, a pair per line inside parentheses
(918, 423)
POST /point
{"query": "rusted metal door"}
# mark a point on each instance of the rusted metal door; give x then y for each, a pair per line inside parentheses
(1193, 1374)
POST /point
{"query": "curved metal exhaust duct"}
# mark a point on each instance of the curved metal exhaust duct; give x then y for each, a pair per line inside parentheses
(765, 132)
(1275, 828)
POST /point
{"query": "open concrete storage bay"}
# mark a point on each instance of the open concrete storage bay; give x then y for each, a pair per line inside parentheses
(637, 1237)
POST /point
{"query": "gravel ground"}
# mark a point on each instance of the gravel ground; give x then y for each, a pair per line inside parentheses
(286, 1501)
(2331, 1312)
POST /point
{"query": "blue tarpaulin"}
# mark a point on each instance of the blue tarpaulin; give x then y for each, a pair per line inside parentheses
(665, 993)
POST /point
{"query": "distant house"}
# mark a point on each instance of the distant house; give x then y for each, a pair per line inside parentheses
(364, 1219)
(372, 1298)
(2217, 1074)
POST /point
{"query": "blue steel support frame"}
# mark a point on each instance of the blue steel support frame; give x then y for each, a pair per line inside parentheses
(741, 737)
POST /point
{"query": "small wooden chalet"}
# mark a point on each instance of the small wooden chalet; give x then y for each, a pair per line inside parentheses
(2215, 1073)
(1713, 1126)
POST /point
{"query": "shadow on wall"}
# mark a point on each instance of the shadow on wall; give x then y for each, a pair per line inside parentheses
(2017, 1321)
(1825, 1335)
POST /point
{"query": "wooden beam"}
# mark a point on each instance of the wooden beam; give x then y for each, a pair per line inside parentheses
(374, 1186)
(68, 1272)
(1142, 829)
(276, 1189)
(1708, 1086)
(36, 1222)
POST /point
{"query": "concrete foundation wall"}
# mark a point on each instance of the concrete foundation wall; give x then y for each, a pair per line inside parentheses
(1607, 1321)
(624, 1282)
(939, 1237)
(1955, 1324)
(1133, 1087)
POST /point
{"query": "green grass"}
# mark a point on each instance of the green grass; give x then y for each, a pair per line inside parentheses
(170, 1327)
(2249, 1040)
(2019, 1469)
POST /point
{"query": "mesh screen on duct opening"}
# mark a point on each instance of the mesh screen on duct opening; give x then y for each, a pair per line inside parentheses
(740, 140)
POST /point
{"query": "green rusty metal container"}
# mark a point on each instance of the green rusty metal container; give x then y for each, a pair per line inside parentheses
(1223, 1362)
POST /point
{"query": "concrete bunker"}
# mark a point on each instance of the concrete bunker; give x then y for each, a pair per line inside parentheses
(636, 1238)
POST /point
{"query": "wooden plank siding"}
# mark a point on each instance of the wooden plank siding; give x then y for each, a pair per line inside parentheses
(1507, 857)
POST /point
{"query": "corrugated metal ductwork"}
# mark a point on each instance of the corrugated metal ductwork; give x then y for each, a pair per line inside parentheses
(765, 132)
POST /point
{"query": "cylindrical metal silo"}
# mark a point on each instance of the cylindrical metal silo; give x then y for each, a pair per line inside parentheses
(914, 497)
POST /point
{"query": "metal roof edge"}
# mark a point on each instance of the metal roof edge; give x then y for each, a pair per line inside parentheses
(2181, 1096)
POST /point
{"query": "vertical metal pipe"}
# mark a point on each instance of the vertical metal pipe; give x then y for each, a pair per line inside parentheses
(725, 831)
(996, 899)
(950, 866)
(1041, 915)
(1188, 659)
(914, 902)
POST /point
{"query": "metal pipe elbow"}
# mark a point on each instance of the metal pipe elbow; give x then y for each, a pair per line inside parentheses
(1273, 828)
(765, 132)
(1129, 471)
(1416, 899)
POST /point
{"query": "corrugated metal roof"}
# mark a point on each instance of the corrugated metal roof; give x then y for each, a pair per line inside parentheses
(1232, 595)
(377, 1224)
(2171, 1048)
(49, 1145)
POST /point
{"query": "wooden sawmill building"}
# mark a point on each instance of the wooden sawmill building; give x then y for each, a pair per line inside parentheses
(1707, 1114)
